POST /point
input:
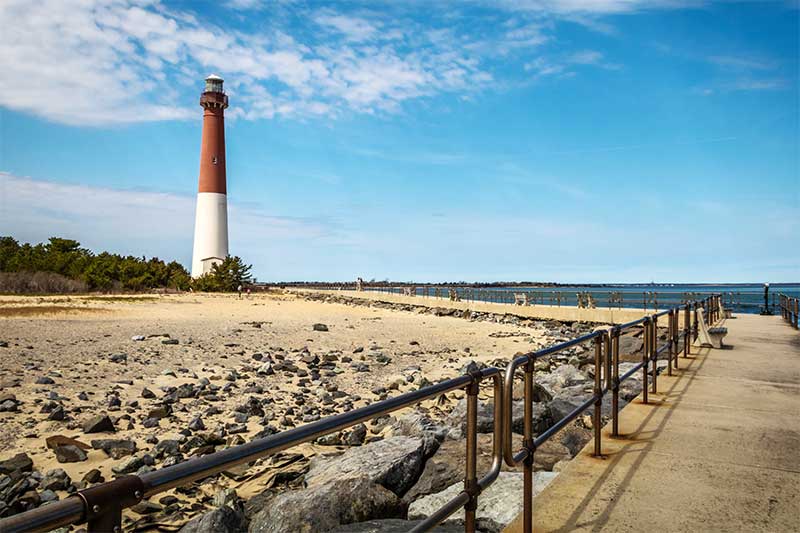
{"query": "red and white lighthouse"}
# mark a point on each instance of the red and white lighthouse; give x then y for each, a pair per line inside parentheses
(211, 215)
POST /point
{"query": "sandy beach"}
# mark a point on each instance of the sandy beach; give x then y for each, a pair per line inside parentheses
(261, 362)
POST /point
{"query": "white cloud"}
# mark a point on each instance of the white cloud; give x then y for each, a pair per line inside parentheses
(135, 221)
(119, 61)
(96, 62)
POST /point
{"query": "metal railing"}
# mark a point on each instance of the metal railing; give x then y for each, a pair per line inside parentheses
(101, 506)
(790, 309)
(748, 301)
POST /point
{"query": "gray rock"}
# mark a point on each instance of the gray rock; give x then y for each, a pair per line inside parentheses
(629, 345)
(458, 418)
(498, 505)
(128, 466)
(98, 424)
(221, 520)
(116, 448)
(320, 327)
(392, 525)
(324, 506)
(395, 463)
(70, 454)
(20, 462)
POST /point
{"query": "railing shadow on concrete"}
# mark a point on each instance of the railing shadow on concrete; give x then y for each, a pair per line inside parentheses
(101, 506)
(636, 441)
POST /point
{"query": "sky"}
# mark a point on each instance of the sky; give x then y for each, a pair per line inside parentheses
(539, 140)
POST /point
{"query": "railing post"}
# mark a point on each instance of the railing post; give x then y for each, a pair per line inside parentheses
(527, 442)
(687, 330)
(470, 477)
(671, 335)
(645, 358)
(654, 352)
(614, 341)
(598, 393)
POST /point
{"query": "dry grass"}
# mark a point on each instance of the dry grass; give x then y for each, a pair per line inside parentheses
(41, 310)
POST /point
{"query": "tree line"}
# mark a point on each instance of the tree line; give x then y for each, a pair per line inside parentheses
(62, 265)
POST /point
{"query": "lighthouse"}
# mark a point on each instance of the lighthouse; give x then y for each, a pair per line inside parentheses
(211, 214)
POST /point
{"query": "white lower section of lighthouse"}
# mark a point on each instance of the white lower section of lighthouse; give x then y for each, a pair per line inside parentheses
(210, 232)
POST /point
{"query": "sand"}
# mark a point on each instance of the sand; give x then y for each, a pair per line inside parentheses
(71, 340)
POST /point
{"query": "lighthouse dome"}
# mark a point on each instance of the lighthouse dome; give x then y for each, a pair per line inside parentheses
(213, 84)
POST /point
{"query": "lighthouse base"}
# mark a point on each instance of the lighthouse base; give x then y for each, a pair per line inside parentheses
(210, 232)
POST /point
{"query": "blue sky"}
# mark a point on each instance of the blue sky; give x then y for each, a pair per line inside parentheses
(552, 140)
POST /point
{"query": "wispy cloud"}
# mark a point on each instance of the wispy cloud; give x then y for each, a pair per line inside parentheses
(132, 221)
(98, 62)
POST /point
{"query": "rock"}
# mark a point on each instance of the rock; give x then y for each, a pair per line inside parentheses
(457, 418)
(48, 495)
(394, 463)
(196, 424)
(447, 465)
(118, 358)
(19, 463)
(128, 466)
(574, 438)
(57, 414)
(44, 380)
(630, 345)
(146, 507)
(421, 426)
(320, 327)
(70, 454)
(93, 476)
(116, 448)
(147, 393)
(98, 424)
(56, 479)
(170, 341)
(55, 441)
(138, 338)
(356, 436)
(220, 520)
(498, 505)
(323, 506)
(392, 525)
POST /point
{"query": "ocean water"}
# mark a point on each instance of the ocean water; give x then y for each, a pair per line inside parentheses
(739, 298)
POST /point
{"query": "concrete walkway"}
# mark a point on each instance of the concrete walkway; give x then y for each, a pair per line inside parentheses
(718, 449)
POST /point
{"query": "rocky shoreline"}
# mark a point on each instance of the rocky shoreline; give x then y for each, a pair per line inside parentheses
(372, 477)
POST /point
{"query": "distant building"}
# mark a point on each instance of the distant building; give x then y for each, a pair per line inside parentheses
(211, 216)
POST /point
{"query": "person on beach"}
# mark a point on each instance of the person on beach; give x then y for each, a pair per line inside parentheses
(239, 290)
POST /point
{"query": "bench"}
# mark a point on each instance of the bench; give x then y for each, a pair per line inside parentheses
(708, 336)
(520, 298)
(723, 313)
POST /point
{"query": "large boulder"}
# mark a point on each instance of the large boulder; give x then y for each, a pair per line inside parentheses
(223, 519)
(447, 466)
(395, 463)
(392, 525)
(448, 463)
(324, 506)
(421, 426)
(363, 483)
(498, 505)
(563, 376)
(457, 418)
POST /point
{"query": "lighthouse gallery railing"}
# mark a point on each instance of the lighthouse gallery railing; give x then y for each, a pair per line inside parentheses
(101, 506)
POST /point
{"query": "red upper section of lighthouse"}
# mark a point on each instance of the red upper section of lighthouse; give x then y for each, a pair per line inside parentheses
(212, 147)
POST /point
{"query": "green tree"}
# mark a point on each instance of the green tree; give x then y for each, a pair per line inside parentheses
(224, 276)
